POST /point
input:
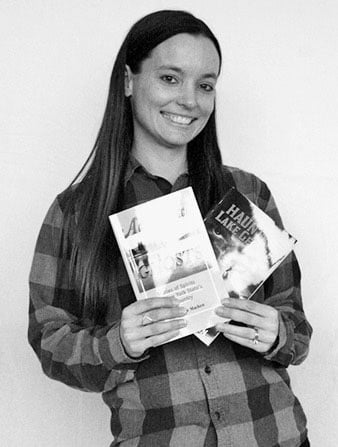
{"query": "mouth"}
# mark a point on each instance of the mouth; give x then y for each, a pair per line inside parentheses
(180, 120)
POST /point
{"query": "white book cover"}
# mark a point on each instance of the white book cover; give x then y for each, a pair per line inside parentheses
(166, 250)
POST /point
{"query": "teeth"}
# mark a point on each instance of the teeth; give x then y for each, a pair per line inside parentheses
(178, 118)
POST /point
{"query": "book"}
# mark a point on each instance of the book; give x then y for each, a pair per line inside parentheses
(248, 245)
(167, 252)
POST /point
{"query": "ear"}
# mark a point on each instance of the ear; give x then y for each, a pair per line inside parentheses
(128, 81)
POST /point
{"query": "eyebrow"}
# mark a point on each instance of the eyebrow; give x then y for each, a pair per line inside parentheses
(179, 70)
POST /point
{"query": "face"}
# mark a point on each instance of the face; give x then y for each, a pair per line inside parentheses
(173, 96)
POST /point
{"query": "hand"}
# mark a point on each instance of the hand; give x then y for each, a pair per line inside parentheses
(143, 326)
(261, 319)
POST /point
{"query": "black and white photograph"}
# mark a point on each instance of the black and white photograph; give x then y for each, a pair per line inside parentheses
(108, 105)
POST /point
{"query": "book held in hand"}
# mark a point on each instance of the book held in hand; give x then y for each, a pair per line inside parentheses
(248, 246)
(167, 252)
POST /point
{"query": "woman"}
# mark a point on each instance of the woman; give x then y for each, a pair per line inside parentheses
(158, 135)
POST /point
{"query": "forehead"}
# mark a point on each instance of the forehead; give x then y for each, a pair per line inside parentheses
(185, 51)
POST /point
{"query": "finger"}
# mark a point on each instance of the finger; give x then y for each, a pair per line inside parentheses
(147, 304)
(245, 332)
(160, 339)
(253, 307)
(132, 321)
(154, 329)
(239, 331)
(259, 347)
(241, 316)
(267, 316)
(140, 346)
(163, 314)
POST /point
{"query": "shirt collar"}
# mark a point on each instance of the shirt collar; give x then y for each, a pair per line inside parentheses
(134, 165)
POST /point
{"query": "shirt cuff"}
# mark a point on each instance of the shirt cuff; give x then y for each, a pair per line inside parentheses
(115, 352)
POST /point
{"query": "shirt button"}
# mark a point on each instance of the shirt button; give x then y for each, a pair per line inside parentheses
(207, 369)
(218, 415)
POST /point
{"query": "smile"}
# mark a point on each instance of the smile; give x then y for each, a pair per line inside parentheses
(178, 119)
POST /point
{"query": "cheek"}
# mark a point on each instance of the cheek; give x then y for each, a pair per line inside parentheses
(154, 96)
(207, 105)
(142, 95)
(144, 105)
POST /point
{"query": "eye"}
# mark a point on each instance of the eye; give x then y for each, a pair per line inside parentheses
(207, 87)
(169, 79)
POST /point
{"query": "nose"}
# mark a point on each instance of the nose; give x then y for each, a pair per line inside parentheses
(187, 97)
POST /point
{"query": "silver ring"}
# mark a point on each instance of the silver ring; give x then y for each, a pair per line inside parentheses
(146, 320)
(255, 339)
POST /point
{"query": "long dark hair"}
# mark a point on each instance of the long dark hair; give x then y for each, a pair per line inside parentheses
(99, 193)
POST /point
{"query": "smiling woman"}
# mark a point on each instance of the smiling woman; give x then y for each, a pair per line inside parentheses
(158, 135)
(173, 94)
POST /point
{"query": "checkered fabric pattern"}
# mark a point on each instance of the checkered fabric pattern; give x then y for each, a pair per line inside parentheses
(171, 396)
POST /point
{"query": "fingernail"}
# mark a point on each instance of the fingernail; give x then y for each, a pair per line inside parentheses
(183, 310)
(183, 323)
(225, 301)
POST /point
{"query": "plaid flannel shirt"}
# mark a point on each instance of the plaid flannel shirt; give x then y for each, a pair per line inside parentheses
(171, 396)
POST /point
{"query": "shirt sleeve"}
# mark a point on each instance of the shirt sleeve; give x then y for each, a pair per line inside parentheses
(282, 290)
(90, 358)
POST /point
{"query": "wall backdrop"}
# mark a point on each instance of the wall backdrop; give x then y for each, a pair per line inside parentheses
(277, 117)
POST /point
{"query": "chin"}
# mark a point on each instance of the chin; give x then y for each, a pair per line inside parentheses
(181, 140)
(176, 143)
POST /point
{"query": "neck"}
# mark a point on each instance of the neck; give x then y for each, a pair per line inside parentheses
(168, 164)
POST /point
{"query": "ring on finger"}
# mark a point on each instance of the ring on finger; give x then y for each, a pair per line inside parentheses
(146, 319)
(255, 338)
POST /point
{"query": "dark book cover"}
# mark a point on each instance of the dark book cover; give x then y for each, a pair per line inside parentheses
(248, 245)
